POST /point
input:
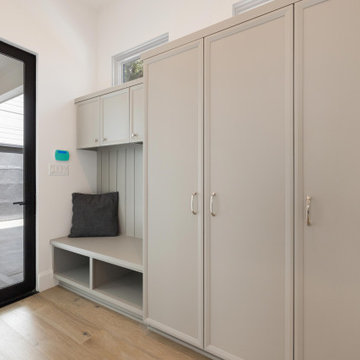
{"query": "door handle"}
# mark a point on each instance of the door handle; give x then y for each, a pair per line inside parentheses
(21, 203)
(212, 204)
(308, 210)
(192, 203)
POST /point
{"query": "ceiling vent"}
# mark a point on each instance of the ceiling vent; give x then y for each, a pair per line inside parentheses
(245, 5)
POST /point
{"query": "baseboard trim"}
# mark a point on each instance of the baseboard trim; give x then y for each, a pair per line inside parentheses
(45, 280)
(187, 345)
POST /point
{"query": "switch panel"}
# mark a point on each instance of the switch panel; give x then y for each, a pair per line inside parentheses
(58, 170)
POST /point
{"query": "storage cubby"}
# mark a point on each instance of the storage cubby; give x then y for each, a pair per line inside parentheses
(71, 266)
(118, 283)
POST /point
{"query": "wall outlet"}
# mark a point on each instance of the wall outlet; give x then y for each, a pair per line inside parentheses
(58, 170)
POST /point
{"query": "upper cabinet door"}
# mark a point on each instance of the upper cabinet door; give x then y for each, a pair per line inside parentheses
(248, 189)
(88, 123)
(174, 180)
(328, 172)
(137, 113)
(115, 118)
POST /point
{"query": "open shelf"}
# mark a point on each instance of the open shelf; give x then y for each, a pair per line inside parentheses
(124, 251)
(71, 267)
(118, 283)
(107, 270)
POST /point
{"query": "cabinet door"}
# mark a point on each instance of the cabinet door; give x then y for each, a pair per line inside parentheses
(88, 123)
(248, 189)
(115, 118)
(328, 147)
(174, 192)
(137, 113)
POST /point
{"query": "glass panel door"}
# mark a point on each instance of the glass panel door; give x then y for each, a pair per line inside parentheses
(17, 173)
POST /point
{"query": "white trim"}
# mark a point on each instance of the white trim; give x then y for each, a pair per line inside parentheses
(45, 280)
(134, 53)
(174, 333)
(108, 90)
(189, 346)
(245, 5)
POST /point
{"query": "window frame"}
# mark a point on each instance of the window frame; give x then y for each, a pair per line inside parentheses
(133, 54)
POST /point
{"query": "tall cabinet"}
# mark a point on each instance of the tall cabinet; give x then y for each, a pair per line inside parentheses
(327, 179)
(248, 189)
(174, 180)
(253, 189)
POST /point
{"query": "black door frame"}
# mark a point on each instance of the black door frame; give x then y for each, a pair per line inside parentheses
(27, 287)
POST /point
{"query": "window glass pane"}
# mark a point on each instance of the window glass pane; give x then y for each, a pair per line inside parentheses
(132, 69)
(11, 121)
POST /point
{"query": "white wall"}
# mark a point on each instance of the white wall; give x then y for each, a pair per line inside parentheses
(62, 33)
(123, 24)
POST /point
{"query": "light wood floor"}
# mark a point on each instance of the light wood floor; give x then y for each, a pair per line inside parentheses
(60, 325)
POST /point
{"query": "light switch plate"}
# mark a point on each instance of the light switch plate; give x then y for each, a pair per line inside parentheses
(58, 170)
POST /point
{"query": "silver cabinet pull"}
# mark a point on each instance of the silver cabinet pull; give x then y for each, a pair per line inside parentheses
(133, 135)
(212, 204)
(96, 140)
(104, 139)
(307, 210)
(192, 203)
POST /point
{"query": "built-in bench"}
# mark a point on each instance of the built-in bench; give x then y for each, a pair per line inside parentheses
(108, 270)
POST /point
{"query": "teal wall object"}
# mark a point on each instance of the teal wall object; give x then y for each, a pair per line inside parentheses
(62, 155)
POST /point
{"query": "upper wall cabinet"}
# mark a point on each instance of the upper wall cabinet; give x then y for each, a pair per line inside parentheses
(111, 117)
(88, 123)
(137, 113)
(115, 124)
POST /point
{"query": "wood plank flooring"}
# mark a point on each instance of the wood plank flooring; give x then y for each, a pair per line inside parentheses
(60, 325)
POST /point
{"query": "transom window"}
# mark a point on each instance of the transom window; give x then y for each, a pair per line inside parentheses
(127, 65)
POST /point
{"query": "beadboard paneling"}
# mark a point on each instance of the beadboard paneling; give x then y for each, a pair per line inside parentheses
(120, 169)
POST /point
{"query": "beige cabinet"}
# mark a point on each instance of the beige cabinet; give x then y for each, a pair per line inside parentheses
(327, 180)
(88, 123)
(137, 113)
(111, 117)
(174, 192)
(248, 189)
(115, 120)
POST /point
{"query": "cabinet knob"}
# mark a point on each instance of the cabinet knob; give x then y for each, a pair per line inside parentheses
(133, 135)
(96, 140)
(104, 139)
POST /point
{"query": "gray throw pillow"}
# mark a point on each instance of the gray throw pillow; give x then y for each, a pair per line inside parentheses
(95, 215)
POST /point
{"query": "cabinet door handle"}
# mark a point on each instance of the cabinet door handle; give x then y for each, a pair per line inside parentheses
(96, 140)
(307, 210)
(212, 204)
(104, 139)
(192, 203)
(133, 135)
